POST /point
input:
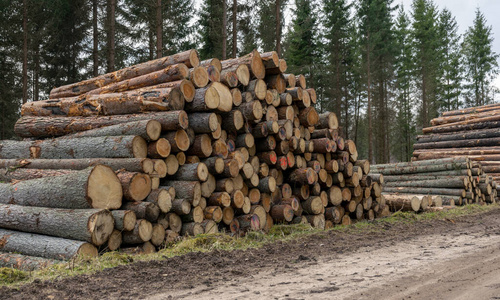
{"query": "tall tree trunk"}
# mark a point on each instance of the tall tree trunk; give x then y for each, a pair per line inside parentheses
(235, 28)
(424, 99)
(111, 35)
(159, 30)
(151, 43)
(36, 74)
(25, 51)
(224, 29)
(278, 28)
(95, 46)
(369, 109)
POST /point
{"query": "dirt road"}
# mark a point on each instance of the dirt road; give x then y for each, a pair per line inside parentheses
(438, 259)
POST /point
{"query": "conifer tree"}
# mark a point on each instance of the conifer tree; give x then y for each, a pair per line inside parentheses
(450, 58)
(481, 61)
(404, 129)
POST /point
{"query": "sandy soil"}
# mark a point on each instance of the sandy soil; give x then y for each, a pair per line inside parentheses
(440, 259)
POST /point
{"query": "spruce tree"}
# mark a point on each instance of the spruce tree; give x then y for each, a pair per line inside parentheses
(481, 61)
(427, 57)
(301, 51)
(404, 128)
(210, 29)
(451, 66)
(267, 23)
(247, 26)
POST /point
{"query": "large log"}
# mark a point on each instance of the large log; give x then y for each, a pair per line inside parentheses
(8, 175)
(149, 130)
(57, 126)
(25, 262)
(487, 122)
(130, 102)
(459, 143)
(430, 191)
(44, 246)
(472, 110)
(403, 202)
(460, 118)
(465, 135)
(127, 146)
(144, 165)
(95, 187)
(420, 169)
(453, 182)
(189, 58)
(90, 225)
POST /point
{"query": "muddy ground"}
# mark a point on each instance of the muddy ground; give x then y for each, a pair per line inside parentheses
(439, 259)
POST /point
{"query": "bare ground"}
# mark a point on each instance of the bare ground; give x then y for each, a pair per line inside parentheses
(439, 259)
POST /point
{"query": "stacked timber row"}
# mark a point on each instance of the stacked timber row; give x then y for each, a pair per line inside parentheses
(415, 186)
(193, 147)
(472, 132)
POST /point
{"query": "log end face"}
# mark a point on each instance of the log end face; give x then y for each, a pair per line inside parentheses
(194, 58)
(100, 226)
(202, 172)
(104, 189)
(87, 250)
(182, 140)
(257, 66)
(243, 74)
(153, 130)
(139, 147)
(212, 98)
(129, 219)
(199, 77)
(140, 187)
(187, 90)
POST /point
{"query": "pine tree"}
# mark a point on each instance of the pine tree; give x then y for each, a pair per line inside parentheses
(210, 29)
(11, 91)
(378, 46)
(480, 59)
(267, 23)
(404, 128)
(451, 67)
(301, 51)
(426, 44)
(338, 51)
(246, 26)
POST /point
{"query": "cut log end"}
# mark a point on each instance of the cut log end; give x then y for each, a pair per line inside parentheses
(101, 225)
(139, 147)
(153, 130)
(87, 250)
(104, 189)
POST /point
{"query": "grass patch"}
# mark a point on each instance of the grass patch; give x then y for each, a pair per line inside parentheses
(224, 242)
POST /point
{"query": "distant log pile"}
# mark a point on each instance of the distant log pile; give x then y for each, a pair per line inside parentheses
(132, 159)
(415, 186)
(472, 132)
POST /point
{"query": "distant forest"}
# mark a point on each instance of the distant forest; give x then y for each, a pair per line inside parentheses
(384, 71)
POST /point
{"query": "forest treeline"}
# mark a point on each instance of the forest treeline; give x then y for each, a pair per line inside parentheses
(385, 71)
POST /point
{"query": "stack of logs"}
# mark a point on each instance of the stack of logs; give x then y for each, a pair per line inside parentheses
(415, 186)
(174, 146)
(473, 132)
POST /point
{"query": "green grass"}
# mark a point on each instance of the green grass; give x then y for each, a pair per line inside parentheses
(223, 242)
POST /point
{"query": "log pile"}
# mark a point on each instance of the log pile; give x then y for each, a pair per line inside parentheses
(472, 132)
(132, 159)
(417, 185)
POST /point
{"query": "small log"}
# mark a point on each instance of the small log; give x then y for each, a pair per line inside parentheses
(25, 262)
(162, 198)
(136, 186)
(124, 219)
(90, 225)
(142, 232)
(192, 229)
(213, 213)
(205, 99)
(44, 246)
(143, 210)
